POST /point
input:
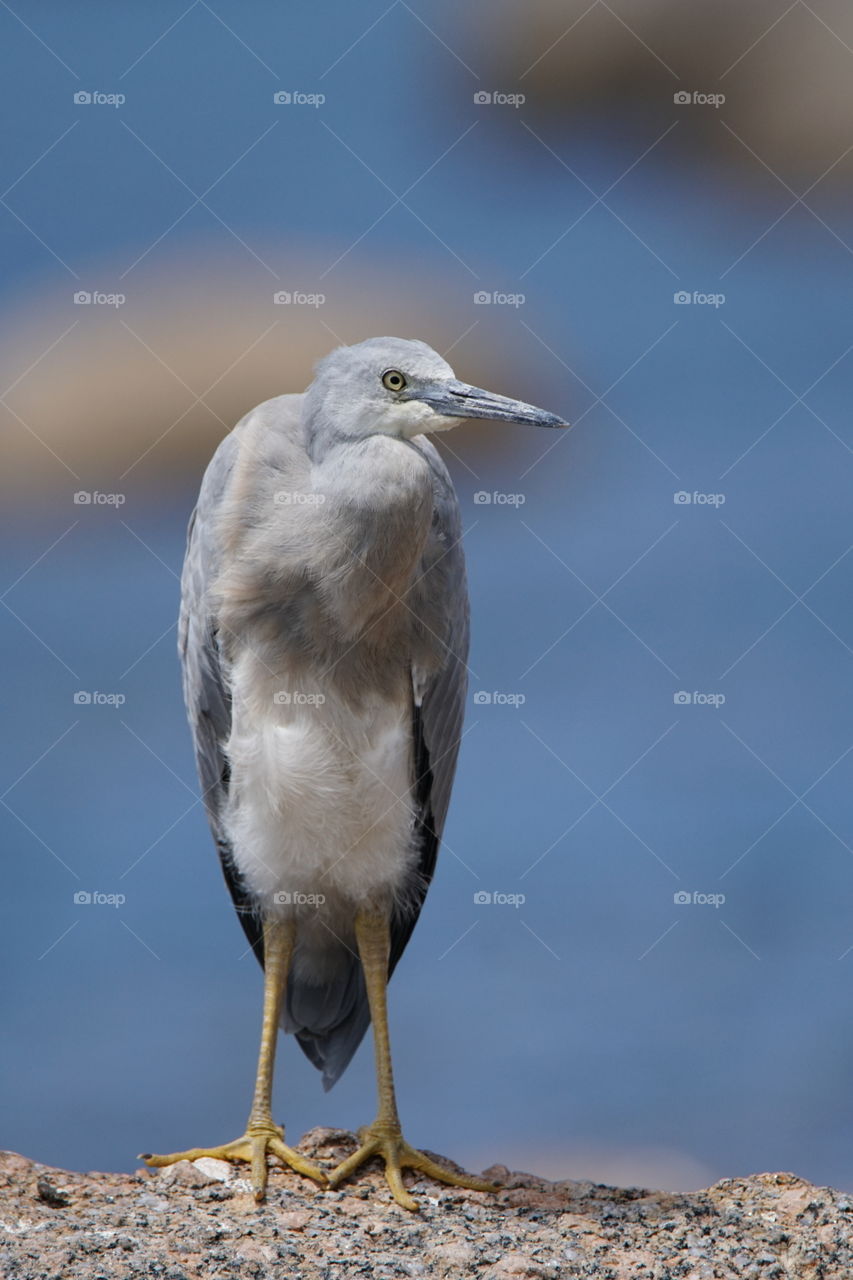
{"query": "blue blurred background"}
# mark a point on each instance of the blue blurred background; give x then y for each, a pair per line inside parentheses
(674, 277)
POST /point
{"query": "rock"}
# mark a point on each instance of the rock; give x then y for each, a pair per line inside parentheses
(185, 1173)
(451, 1259)
(199, 1220)
(214, 1170)
(50, 1193)
(293, 1219)
(516, 1264)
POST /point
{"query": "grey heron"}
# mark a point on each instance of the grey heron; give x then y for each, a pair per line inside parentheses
(324, 640)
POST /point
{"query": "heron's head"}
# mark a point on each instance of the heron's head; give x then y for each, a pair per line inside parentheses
(398, 387)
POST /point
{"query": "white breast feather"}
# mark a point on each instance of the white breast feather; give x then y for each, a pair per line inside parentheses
(320, 797)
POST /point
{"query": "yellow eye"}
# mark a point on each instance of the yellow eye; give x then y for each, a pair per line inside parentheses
(393, 380)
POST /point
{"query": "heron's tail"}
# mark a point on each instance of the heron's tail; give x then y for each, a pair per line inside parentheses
(328, 1018)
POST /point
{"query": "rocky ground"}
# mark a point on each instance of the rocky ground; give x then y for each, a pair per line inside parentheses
(200, 1221)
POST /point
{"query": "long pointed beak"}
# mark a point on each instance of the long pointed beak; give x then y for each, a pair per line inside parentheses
(457, 399)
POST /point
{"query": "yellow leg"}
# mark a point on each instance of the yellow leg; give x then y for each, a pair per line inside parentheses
(262, 1135)
(384, 1137)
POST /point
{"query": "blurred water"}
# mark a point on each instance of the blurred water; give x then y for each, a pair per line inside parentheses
(601, 1014)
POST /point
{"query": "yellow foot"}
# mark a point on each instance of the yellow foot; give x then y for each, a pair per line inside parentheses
(398, 1155)
(253, 1147)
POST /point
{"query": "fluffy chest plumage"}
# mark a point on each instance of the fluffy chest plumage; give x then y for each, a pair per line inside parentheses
(320, 806)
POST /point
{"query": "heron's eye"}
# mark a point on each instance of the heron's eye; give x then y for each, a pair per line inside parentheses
(393, 380)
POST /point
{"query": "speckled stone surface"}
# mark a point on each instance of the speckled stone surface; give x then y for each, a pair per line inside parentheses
(200, 1220)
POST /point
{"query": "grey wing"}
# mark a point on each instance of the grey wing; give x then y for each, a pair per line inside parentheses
(439, 701)
(206, 692)
(340, 1013)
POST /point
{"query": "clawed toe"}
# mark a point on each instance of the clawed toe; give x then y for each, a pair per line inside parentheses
(252, 1149)
(398, 1155)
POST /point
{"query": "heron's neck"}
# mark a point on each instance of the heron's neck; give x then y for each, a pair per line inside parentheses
(376, 514)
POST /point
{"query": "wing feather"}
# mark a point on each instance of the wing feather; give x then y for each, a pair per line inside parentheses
(206, 693)
(437, 721)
